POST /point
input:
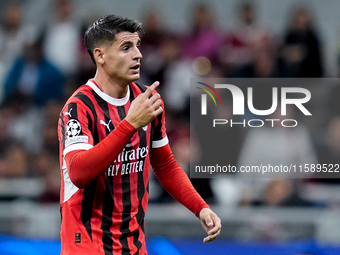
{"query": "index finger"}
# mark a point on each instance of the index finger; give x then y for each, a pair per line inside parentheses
(150, 89)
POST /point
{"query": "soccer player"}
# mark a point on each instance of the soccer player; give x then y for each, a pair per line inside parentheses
(110, 131)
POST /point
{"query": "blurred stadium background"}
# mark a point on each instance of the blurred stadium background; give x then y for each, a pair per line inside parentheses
(43, 60)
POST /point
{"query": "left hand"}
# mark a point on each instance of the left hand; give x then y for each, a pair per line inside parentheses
(211, 224)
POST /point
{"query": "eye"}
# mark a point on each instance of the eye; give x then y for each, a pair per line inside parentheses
(126, 48)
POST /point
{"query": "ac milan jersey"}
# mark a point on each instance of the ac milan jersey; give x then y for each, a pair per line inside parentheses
(107, 216)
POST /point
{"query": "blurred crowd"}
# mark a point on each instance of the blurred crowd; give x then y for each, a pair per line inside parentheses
(41, 67)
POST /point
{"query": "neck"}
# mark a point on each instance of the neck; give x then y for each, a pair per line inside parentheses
(110, 86)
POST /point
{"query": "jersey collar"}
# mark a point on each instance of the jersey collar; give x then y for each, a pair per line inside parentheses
(106, 97)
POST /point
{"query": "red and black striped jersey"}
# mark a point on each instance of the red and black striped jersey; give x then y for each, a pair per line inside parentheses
(107, 216)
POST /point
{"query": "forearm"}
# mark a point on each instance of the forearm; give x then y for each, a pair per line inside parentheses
(86, 166)
(175, 181)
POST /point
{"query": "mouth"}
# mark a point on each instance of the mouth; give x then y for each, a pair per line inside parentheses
(135, 67)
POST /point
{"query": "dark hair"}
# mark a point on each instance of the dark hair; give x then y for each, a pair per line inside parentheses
(104, 30)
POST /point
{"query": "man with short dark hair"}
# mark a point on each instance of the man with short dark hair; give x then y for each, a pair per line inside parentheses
(110, 131)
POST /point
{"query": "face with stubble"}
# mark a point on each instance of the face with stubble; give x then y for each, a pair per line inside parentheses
(121, 59)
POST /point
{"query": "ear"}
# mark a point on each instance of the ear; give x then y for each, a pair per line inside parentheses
(98, 54)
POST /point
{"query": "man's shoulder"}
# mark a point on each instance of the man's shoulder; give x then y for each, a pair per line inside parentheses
(78, 96)
(83, 90)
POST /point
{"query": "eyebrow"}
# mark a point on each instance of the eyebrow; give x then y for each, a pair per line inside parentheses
(129, 43)
(126, 43)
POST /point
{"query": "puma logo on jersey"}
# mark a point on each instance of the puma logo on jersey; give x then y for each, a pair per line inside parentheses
(107, 125)
(68, 113)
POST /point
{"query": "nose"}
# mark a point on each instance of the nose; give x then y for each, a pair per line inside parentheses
(137, 54)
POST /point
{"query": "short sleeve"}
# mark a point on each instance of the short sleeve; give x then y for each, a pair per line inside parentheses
(74, 128)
